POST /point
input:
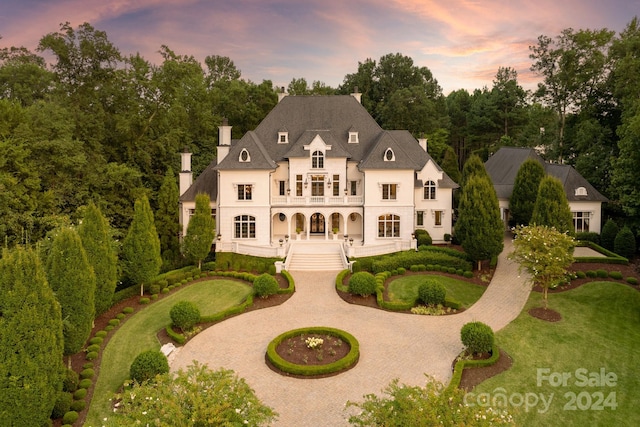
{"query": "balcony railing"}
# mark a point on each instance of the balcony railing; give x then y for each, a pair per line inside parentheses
(316, 201)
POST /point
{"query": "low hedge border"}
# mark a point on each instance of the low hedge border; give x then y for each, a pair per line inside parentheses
(402, 305)
(611, 257)
(461, 364)
(343, 364)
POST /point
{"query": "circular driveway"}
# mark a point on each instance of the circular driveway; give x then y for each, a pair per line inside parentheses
(392, 345)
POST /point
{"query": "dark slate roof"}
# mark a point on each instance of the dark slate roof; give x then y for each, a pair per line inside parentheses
(259, 157)
(297, 148)
(503, 166)
(406, 156)
(207, 182)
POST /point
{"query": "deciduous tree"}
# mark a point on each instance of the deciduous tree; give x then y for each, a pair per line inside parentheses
(544, 253)
(32, 344)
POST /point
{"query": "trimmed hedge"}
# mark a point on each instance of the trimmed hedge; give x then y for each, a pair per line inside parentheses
(346, 362)
(62, 405)
(340, 279)
(239, 262)
(461, 364)
(609, 258)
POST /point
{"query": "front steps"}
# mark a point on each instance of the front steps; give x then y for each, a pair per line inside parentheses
(315, 257)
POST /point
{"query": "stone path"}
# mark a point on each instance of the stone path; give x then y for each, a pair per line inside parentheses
(392, 345)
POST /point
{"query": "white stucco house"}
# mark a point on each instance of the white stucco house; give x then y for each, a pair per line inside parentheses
(319, 168)
(584, 200)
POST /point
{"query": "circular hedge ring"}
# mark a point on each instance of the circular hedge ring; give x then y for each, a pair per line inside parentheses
(309, 371)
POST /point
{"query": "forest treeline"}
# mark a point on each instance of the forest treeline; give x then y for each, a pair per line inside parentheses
(98, 125)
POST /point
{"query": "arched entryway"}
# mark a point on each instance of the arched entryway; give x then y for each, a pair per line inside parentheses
(317, 223)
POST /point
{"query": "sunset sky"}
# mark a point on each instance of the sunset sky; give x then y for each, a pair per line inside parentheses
(463, 42)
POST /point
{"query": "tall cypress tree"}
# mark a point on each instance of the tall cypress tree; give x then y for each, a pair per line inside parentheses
(525, 191)
(472, 167)
(200, 231)
(167, 221)
(479, 217)
(32, 344)
(141, 260)
(72, 279)
(551, 207)
(609, 233)
(95, 234)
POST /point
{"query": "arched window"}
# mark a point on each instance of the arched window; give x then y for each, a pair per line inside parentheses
(245, 227)
(581, 191)
(244, 156)
(389, 225)
(389, 155)
(429, 190)
(317, 160)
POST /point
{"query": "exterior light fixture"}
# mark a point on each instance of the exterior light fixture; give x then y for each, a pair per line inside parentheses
(219, 237)
(280, 241)
(350, 241)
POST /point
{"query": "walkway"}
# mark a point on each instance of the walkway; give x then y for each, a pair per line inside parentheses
(392, 345)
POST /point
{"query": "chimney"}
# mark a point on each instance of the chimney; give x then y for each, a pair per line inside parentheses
(186, 176)
(357, 95)
(281, 94)
(224, 139)
(423, 143)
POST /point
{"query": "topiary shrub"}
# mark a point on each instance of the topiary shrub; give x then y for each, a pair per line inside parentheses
(87, 365)
(608, 236)
(87, 373)
(265, 285)
(184, 315)
(70, 417)
(81, 393)
(120, 316)
(468, 274)
(631, 280)
(147, 365)
(144, 300)
(401, 270)
(92, 355)
(78, 405)
(62, 405)
(431, 292)
(127, 310)
(625, 243)
(362, 283)
(580, 274)
(591, 274)
(93, 347)
(423, 237)
(101, 334)
(86, 383)
(615, 275)
(477, 337)
(603, 274)
(70, 382)
(96, 340)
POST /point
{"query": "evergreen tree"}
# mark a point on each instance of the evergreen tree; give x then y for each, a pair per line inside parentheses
(450, 164)
(98, 245)
(72, 279)
(479, 217)
(625, 243)
(31, 350)
(141, 258)
(551, 207)
(167, 221)
(609, 233)
(525, 191)
(200, 231)
(473, 166)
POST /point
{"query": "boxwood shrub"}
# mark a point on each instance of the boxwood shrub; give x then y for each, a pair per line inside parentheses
(431, 292)
(265, 285)
(86, 383)
(631, 280)
(92, 355)
(114, 322)
(78, 405)
(591, 274)
(184, 315)
(362, 283)
(62, 405)
(96, 340)
(580, 274)
(615, 275)
(70, 417)
(93, 347)
(87, 373)
(127, 310)
(147, 365)
(477, 337)
(603, 274)
(101, 334)
(70, 381)
(144, 300)
(81, 393)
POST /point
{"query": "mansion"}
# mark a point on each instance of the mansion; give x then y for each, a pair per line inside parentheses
(319, 168)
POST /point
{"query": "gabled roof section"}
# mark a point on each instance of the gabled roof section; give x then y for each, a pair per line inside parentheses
(407, 152)
(503, 167)
(260, 159)
(207, 183)
(298, 150)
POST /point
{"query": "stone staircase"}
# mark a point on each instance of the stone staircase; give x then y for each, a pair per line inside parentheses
(315, 257)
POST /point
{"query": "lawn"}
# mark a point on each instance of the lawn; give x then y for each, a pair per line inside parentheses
(405, 288)
(138, 334)
(586, 363)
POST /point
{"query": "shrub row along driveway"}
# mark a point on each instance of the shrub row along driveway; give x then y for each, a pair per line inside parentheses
(392, 345)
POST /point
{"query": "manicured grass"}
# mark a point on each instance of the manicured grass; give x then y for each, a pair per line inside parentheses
(138, 334)
(600, 329)
(405, 288)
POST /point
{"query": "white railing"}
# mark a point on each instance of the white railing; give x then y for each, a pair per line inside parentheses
(316, 200)
(386, 248)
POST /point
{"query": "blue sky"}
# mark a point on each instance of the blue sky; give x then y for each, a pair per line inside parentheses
(463, 42)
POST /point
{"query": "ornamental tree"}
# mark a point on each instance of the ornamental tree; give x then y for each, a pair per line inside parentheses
(544, 253)
(167, 222)
(609, 233)
(141, 260)
(197, 396)
(525, 191)
(551, 207)
(72, 280)
(625, 243)
(31, 350)
(200, 231)
(95, 234)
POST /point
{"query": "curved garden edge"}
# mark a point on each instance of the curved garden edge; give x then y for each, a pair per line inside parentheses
(460, 365)
(79, 359)
(284, 367)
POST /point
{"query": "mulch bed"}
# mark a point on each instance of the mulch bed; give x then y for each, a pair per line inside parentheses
(471, 377)
(545, 314)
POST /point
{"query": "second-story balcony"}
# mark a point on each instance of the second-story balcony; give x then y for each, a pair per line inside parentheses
(316, 201)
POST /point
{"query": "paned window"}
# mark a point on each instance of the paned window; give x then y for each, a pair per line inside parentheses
(581, 221)
(244, 191)
(245, 227)
(389, 225)
(389, 191)
(429, 190)
(317, 160)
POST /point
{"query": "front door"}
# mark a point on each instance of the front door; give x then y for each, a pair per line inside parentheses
(317, 223)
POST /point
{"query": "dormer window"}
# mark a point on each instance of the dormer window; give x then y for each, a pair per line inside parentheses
(244, 156)
(317, 160)
(353, 137)
(389, 155)
(283, 137)
(581, 191)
